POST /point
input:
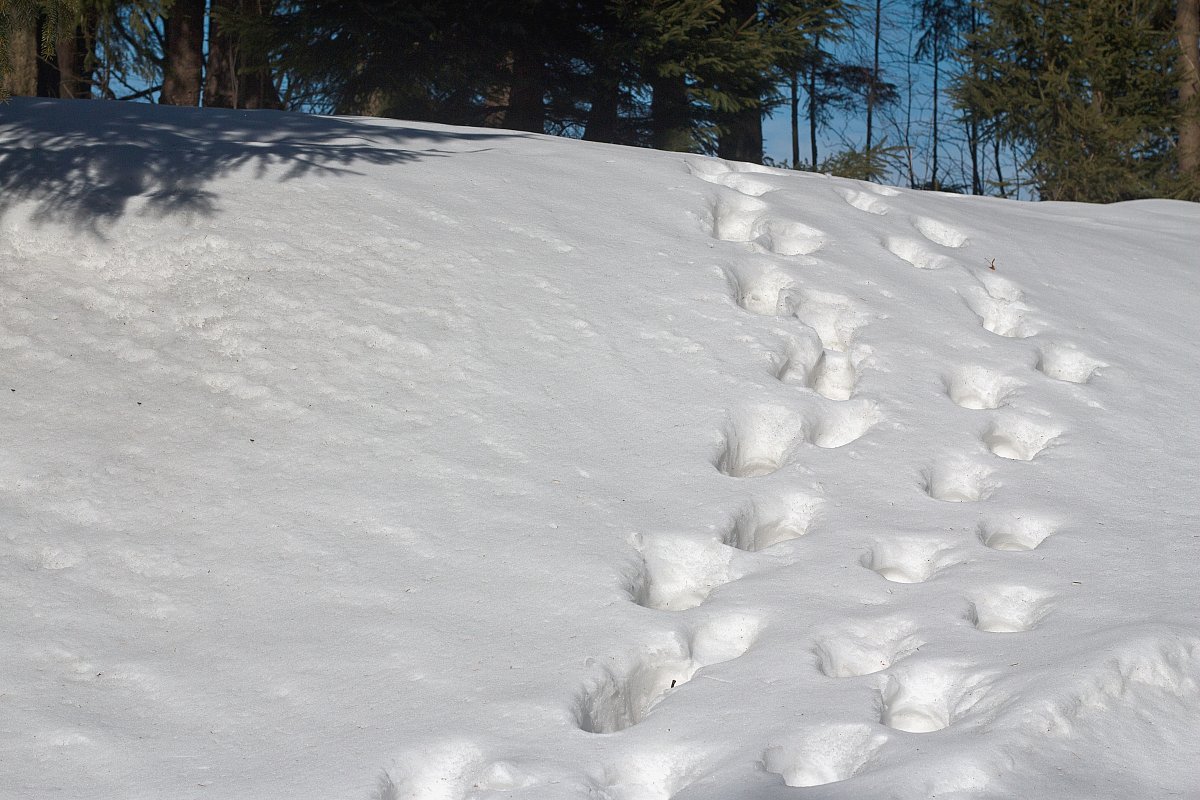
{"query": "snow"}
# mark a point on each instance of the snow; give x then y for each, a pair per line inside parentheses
(349, 458)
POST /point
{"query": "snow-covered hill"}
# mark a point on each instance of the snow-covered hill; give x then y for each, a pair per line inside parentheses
(353, 458)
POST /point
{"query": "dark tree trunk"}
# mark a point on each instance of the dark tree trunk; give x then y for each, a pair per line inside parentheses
(937, 54)
(74, 67)
(183, 58)
(669, 114)
(220, 72)
(742, 140)
(527, 97)
(813, 101)
(795, 103)
(22, 79)
(874, 76)
(232, 79)
(1187, 19)
(741, 131)
(49, 79)
(973, 145)
(999, 172)
(257, 89)
(603, 117)
(973, 138)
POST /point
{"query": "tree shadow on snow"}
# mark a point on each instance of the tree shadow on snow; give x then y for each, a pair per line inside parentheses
(84, 161)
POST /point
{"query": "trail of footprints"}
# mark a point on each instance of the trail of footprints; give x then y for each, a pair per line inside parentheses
(921, 696)
(677, 572)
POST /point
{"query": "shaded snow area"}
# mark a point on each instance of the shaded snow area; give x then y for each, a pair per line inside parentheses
(347, 458)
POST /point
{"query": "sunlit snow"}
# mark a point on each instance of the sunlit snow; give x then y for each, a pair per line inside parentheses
(348, 458)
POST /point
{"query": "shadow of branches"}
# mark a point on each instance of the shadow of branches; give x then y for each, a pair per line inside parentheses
(84, 162)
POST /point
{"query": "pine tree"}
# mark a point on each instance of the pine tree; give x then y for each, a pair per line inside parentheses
(46, 47)
(1187, 22)
(236, 72)
(1083, 89)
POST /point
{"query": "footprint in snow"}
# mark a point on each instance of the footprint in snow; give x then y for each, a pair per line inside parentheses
(788, 237)
(1064, 362)
(735, 217)
(928, 696)
(1014, 532)
(863, 201)
(840, 425)
(824, 755)
(768, 523)
(678, 571)
(958, 481)
(910, 559)
(939, 232)
(999, 315)
(917, 253)
(714, 172)
(759, 440)
(980, 388)
(1018, 438)
(865, 647)
(833, 374)
(623, 692)
(998, 287)
(761, 288)
(834, 317)
(1008, 609)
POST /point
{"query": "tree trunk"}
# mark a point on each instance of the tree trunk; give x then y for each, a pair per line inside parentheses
(495, 102)
(22, 79)
(669, 114)
(740, 136)
(49, 79)
(937, 54)
(220, 71)
(973, 138)
(999, 173)
(74, 69)
(874, 76)
(742, 139)
(603, 117)
(183, 58)
(795, 102)
(813, 104)
(526, 99)
(1187, 18)
(973, 144)
(232, 80)
(256, 87)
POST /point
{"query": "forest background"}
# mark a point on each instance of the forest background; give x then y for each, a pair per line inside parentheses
(1093, 100)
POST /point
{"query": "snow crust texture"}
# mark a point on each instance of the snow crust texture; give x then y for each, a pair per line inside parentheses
(365, 459)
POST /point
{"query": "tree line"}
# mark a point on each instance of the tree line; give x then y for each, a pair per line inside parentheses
(1095, 100)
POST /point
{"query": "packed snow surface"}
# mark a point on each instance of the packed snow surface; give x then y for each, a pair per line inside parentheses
(347, 458)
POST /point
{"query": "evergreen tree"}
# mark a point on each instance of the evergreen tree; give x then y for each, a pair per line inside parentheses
(236, 71)
(1187, 22)
(1083, 89)
(46, 47)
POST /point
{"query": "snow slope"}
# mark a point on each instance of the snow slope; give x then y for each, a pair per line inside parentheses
(358, 458)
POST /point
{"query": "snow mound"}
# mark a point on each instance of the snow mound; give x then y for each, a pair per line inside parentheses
(359, 458)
